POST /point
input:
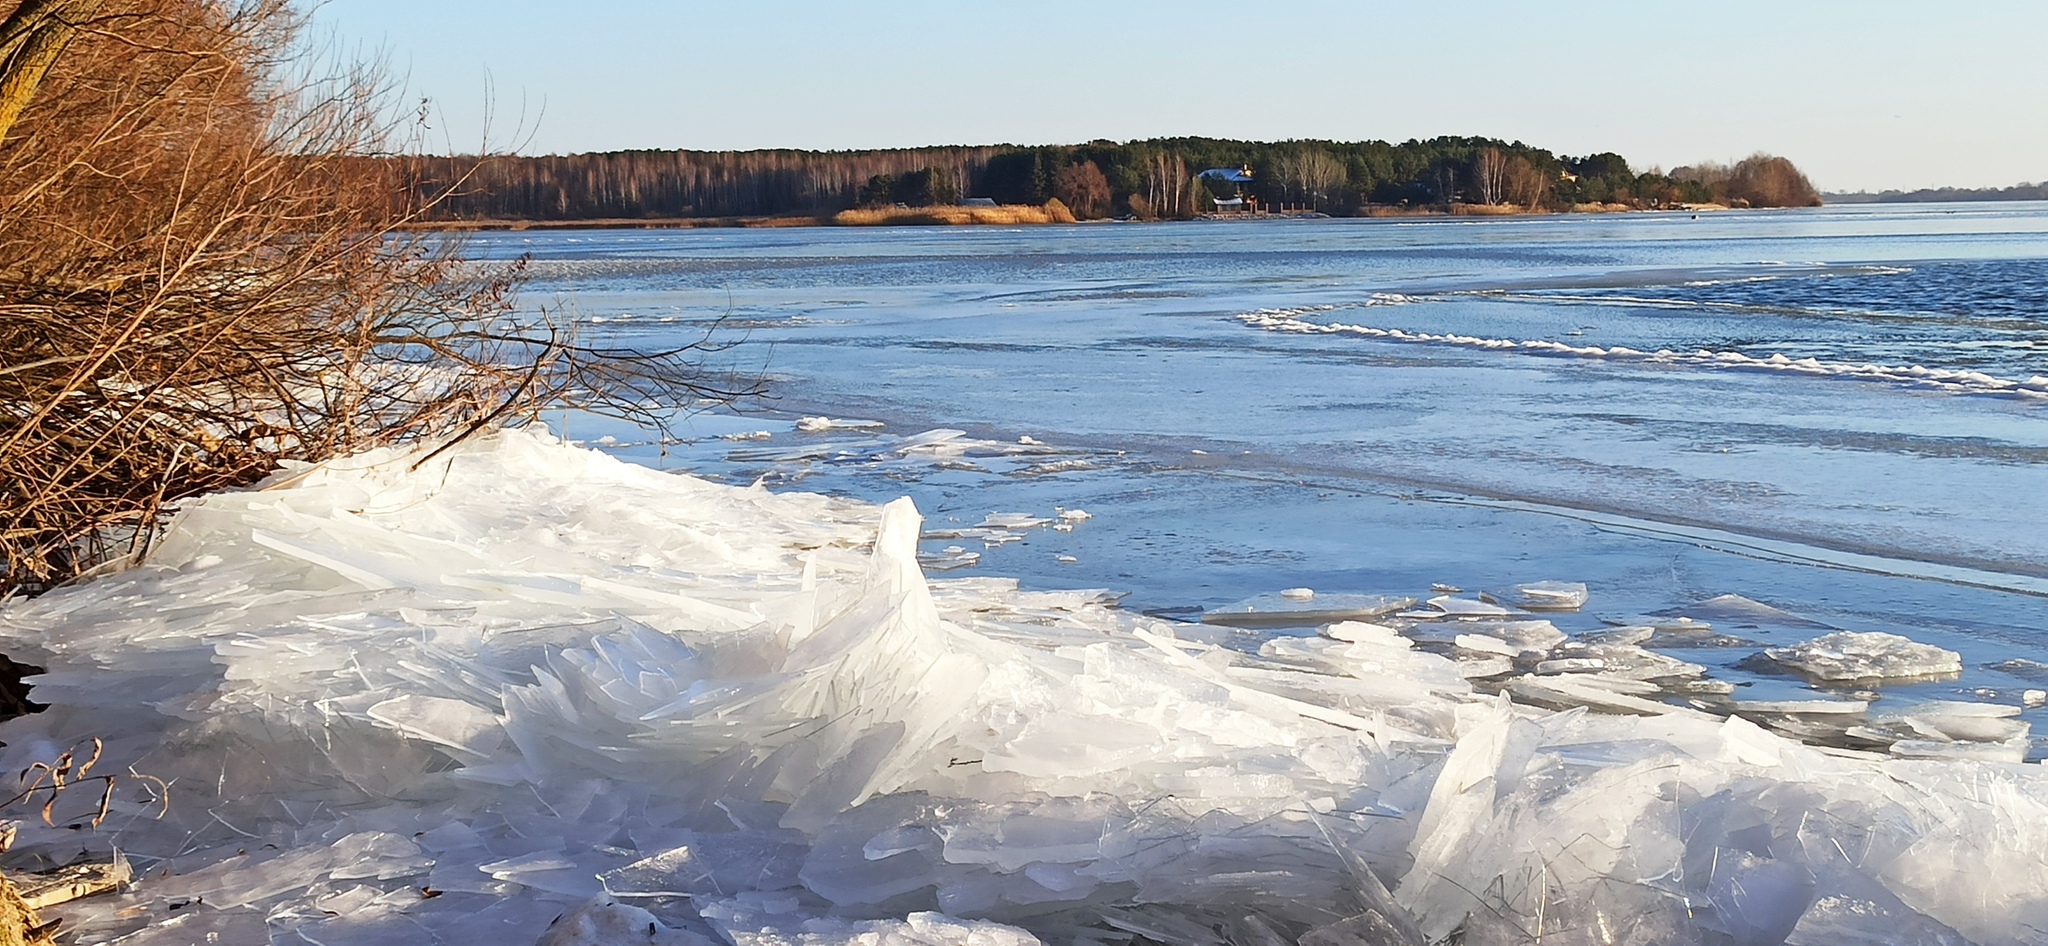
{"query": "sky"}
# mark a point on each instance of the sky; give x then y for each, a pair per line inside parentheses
(1862, 96)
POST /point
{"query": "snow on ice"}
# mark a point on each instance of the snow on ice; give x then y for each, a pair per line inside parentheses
(517, 685)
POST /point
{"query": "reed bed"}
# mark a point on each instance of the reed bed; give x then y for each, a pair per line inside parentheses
(1051, 211)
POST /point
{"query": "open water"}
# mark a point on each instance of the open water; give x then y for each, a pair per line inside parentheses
(1840, 413)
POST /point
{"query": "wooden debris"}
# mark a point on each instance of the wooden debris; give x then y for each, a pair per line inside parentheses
(65, 884)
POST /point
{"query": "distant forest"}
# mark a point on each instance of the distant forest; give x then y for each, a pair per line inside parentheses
(1147, 179)
(2022, 191)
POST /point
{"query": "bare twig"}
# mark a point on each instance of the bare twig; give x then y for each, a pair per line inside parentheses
(204, 270)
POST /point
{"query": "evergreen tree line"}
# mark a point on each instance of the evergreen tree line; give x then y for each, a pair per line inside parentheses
(1148, 179)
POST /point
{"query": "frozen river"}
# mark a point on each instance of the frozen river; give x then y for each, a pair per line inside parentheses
(1841, 413)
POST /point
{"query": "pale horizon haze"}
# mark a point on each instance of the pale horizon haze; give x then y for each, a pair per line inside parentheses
(1862, 96)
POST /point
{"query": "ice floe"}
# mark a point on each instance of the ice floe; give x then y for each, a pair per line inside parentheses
(815, 425)
(1282, 609)
(1866, 655)
(462, 698)
(1549, 596)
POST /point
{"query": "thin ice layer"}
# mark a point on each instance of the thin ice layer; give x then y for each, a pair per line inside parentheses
(523, 676)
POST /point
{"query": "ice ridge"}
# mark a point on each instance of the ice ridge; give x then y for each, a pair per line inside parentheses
(1300, 320)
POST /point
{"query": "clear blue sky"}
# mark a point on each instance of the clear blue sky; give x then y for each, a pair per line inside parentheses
(1862, 95)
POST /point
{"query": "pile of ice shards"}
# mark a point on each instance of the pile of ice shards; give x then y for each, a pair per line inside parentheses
(453, 702)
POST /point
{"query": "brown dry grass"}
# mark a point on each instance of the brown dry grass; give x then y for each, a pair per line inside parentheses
(19, 923)
(1451, 210)
(616, 223)
(1489, 210)
(1005, 215)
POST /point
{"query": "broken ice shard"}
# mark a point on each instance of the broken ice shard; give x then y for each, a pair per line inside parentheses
(1284, 610)
(1866, 655)
(1549, 595)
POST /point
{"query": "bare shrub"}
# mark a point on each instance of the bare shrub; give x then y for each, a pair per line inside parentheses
(1528, 185)
(1770, 181)
(1083, 189)
(1760, 180)
(202, 272)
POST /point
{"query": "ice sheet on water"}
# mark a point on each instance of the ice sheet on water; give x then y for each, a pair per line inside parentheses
(945, 444)
(1866, 655)
(813, 425)
(1632, 661)
(1281, 609)
(1949, 729)
(2032, 671)
(1822, 707)
(1549, 595)
(1529, 640)
(1592, 690)
(1735, 608)
(1678, 634)
(1451, 606)
(948, 558)
(2005, 750)
(997, 528)
(524, 674)
(863, 444)
(1012, 520)
(1485, 644)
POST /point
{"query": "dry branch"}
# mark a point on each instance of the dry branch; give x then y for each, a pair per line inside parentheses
(203, 271)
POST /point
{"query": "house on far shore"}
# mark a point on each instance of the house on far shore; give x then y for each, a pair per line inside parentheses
(977, 201)
(1232, 181)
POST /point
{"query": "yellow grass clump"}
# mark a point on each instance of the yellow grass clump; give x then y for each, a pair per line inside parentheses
(1003, 215)
(19, 924)
(1489, 210)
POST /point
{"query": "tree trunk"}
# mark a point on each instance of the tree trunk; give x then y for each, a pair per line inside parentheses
(30, 41)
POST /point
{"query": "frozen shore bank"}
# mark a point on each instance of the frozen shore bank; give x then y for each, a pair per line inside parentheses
(524, 674)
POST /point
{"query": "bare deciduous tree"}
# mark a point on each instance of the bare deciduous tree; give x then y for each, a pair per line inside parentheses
(203, 271)
(1084, 189)
(1490, 176)
(1760, 180)
(1308, 174)
(1528, 185)
(1167, 185)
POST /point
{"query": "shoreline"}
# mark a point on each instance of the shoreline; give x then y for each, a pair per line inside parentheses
(977, 216)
